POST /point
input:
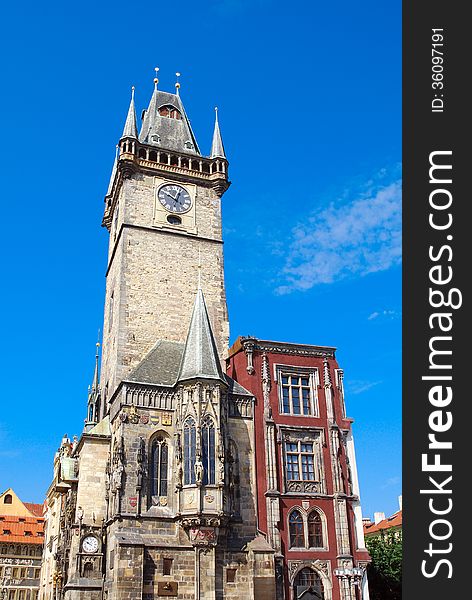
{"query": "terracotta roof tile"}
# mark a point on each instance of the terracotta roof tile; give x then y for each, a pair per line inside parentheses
(26, 530)
(395, 521)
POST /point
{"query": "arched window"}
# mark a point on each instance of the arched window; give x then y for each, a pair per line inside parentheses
(308, 580)
(297, 535)
(315, 530)
(208, 451)
(190, 442)
(159, 466)
(8, 499)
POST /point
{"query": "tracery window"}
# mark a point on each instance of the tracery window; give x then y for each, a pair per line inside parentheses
(159, 466)
(190, 443)
(315, 530)
(296, 530)
(308, 579)
(208, 451)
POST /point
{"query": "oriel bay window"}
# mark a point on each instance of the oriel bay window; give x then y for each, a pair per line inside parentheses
(190, 444)
(159, 466)
(208, 451)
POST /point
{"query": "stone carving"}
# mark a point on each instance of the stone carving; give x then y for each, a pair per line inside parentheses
(304, 486)
(203, 536)
(198, 470)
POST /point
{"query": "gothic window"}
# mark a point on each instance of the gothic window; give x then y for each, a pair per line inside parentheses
(190, 442)
(307, 579)
(300, 461)
(170, 112)
(159, 466)
(296, 530)
(315, 530)
(297, 396)
(208, 451)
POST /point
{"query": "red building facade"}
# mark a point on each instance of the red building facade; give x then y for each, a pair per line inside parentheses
(308, 492)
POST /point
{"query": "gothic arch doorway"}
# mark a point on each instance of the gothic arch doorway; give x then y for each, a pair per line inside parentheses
(307, 585)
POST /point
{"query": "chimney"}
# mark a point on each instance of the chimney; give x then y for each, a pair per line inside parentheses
(379, 516)
(400, 503)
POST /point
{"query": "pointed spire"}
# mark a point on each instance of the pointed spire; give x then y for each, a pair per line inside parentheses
(200, 359)
(95, 374)
(93, 404)
(217, 148)
(130, 129)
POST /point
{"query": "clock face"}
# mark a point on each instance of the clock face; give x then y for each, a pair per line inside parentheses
(174, 198)
(90, 544)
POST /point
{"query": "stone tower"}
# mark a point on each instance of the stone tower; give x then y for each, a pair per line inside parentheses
(158, 496)
(163, 212)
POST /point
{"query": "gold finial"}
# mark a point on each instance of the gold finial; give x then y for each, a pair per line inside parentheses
(132, 92)
(177, 84)
(156, 80)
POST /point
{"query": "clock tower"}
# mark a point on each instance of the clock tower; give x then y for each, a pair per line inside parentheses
(158, 496)
(163, 213)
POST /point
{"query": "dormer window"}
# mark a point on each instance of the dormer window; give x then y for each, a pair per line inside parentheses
(189, 145)
(170, 112)
(155, 138)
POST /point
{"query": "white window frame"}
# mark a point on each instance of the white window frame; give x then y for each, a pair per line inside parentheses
(312, 373)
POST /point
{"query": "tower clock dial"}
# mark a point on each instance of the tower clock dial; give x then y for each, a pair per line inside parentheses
(90, 544)
(174, 198)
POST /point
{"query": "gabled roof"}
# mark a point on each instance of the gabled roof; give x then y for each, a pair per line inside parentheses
(200, 359)
(172, 134)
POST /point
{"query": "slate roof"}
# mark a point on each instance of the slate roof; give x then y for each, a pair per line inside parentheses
(130, 123)
(170, 362)
(200, 359)
(217, 148)
(160, 366)
(173, 133)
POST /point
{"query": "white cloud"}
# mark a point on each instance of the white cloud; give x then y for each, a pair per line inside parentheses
(358, 387)
(383, 314)
(346, 240)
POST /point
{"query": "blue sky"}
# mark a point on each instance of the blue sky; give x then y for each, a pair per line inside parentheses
(309, 98)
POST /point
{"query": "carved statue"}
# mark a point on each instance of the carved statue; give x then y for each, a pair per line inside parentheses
(198, 470)
(118, 475)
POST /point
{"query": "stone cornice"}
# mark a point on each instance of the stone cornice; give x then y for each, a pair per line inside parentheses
(274, 347)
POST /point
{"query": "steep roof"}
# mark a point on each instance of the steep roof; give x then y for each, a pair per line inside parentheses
(200, 359)
(160, 366)
(130, 129)
(217, 148)
(164, 132)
